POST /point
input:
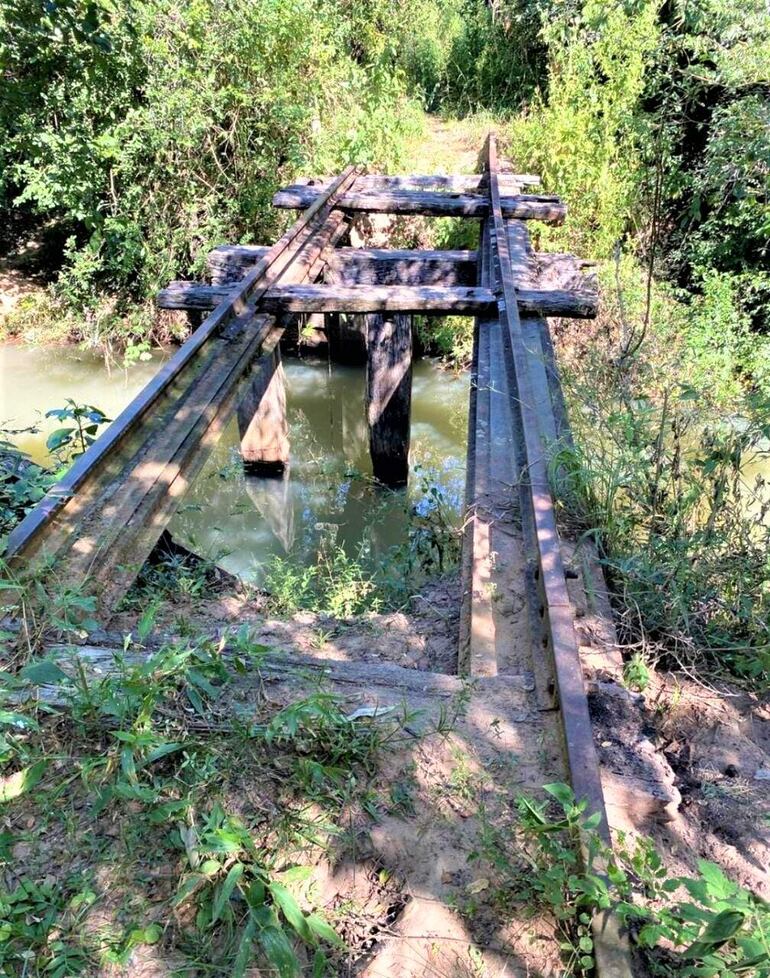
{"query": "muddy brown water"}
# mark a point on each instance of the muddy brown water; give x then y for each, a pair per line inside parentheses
(244, 522)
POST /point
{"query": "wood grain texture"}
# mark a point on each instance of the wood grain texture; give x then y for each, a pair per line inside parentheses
(527, 207)
(429, 299)
(389, 395)
(455, 183)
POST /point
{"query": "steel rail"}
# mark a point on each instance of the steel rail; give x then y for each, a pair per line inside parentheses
(237, 305)
(613, 957)
(583, 761)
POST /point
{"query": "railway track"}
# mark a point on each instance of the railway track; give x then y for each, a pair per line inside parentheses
(518, 640)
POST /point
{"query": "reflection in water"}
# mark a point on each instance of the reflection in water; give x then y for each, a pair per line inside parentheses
(244, 521)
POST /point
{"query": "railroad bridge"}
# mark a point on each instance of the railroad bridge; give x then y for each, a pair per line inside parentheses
(98, 525)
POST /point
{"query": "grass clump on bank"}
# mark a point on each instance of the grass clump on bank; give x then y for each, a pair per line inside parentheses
(152, 771)
(660, 475)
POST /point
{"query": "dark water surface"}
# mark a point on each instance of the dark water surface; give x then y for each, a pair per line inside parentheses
(243, 522)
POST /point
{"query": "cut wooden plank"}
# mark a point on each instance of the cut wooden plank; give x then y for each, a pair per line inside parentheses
(431, 203)
(443, 300)
(455, 183)
(389, 396)
(495, 632)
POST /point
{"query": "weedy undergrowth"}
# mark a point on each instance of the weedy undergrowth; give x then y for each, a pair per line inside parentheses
(342, 585)
(208, 806)
(660, 476)
(706, 926)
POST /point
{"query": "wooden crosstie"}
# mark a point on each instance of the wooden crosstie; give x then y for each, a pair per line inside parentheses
(98, 525)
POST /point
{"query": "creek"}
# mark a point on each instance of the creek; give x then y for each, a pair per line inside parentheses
(244, 522)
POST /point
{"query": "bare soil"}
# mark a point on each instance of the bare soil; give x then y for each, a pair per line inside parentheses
(423, 636)
(689, 766)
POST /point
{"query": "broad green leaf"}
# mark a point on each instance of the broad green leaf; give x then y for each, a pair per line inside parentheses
(11, 719)
(319, 964)
(43, 673)
(161, 751)
(188, 887)
(291, 911)
(724, 926)
(58, 438)
(128, 765)
(226, 891)
(323, 930)
(561, 792)
(719, 885)
(278, 951)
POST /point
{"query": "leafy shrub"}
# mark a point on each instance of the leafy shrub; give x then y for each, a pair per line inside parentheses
(584, 138)
(663, 437)
(497, 59)
(158, 129)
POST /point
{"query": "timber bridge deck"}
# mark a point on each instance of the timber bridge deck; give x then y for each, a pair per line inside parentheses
(98, 525)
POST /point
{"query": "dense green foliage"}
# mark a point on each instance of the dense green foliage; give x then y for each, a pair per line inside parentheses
(157, 129)
(654, 127)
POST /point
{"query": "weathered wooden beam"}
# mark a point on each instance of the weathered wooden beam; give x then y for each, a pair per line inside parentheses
(349, 266)
(379, 298)
(389, 395)
(405, 266)
(454, 183)
(262, 424)
(524, 207)
(426, 299)
(229, 263)
(380, 266)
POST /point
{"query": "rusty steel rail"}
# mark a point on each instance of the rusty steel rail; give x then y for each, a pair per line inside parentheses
(613, 955)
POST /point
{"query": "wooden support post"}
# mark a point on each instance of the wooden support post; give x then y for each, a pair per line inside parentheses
(262, 420)
(389, 395)
(346, 336)
(194, 318)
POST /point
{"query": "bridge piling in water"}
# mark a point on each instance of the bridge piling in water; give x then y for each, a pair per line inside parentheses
(389, 395)
(262, 423)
